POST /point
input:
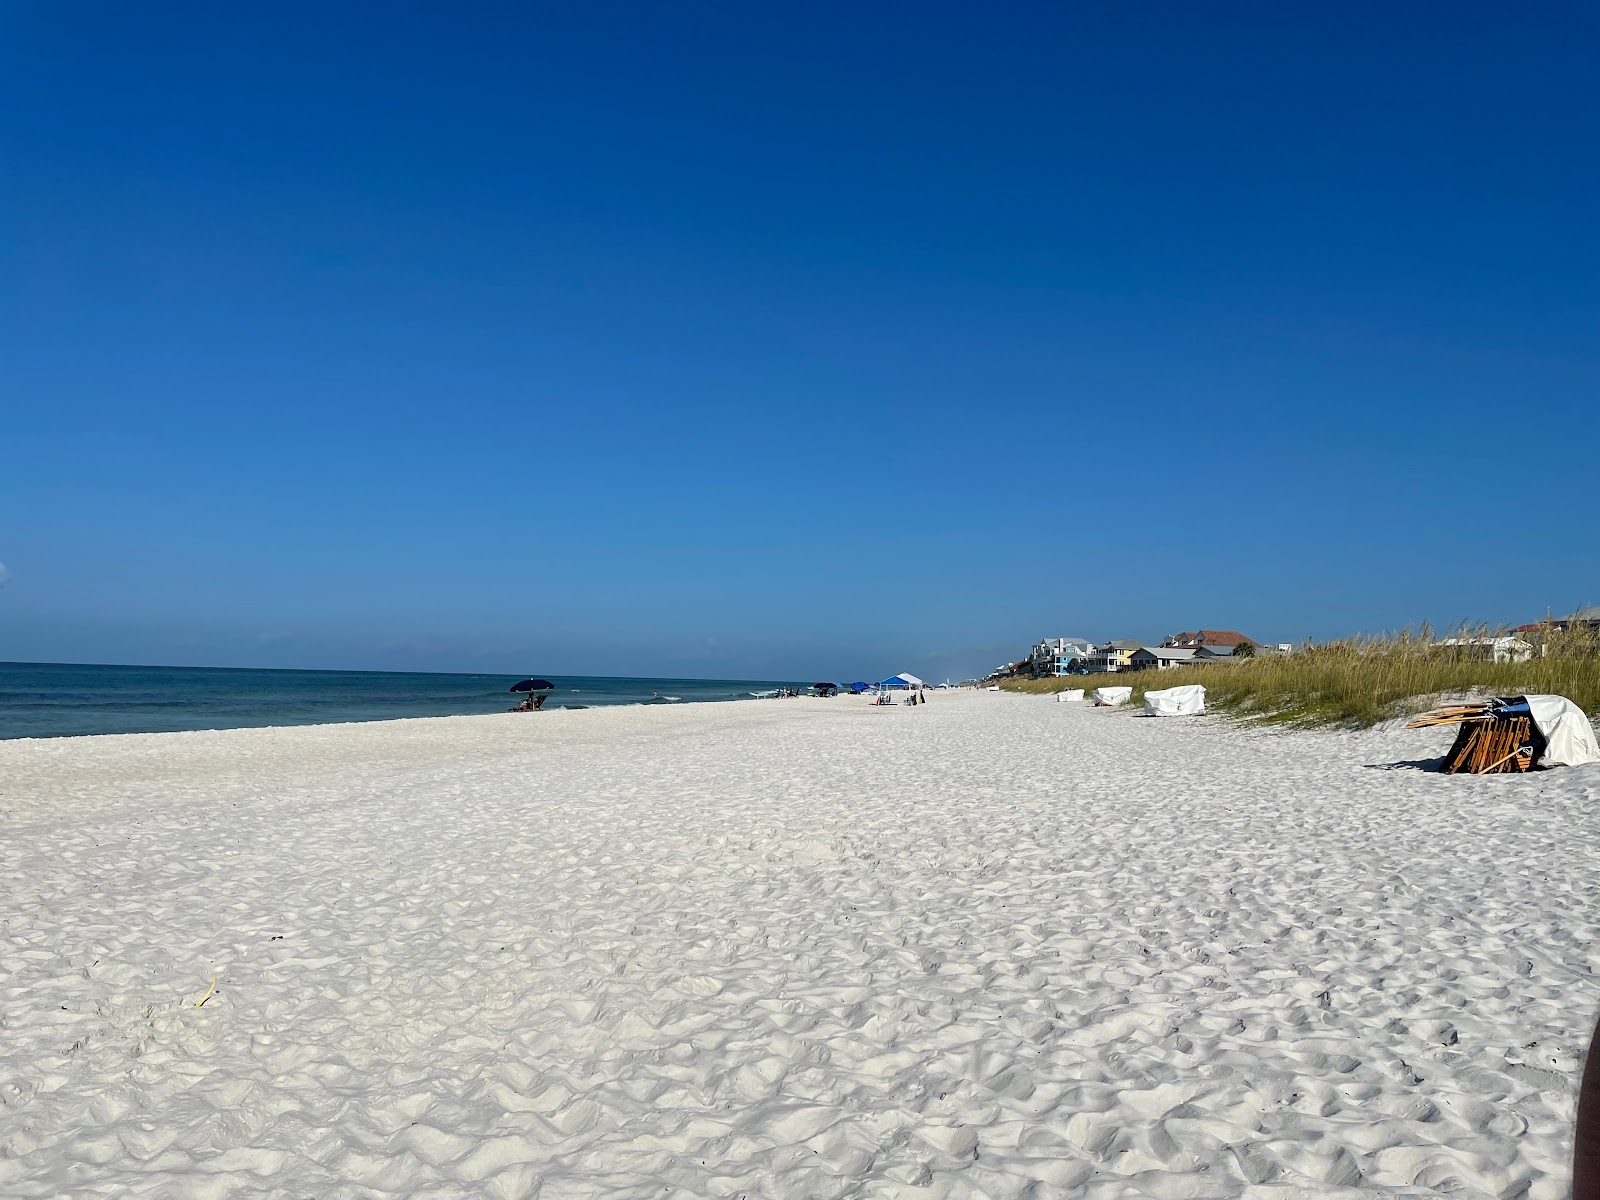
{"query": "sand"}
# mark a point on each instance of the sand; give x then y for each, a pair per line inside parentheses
(993, 946)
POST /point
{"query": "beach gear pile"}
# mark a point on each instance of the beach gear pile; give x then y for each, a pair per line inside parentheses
(1109, 697)
(1514, 733)
(1186, 700)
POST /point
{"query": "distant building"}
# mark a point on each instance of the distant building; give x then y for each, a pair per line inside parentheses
(1584, 618)
(1054, 656)
(1113, 656)
(1216, 654)
(1008, 670)
(1212, 638)
(1163, 658)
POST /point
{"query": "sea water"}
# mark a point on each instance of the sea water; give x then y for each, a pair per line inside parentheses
(62, 700)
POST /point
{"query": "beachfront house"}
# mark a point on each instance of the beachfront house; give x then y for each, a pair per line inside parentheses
(1054, 657)
(1204, 654)
(1584, 618)
(1162, 658)
(1228, 639)
(1586, 621)
(1008, 670)
(1589, 617)
(1114, 656)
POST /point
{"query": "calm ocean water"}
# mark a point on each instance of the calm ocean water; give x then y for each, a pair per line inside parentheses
(62, 700)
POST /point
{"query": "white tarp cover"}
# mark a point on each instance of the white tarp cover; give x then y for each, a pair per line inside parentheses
(1182, 701)
(1112, 695)
(1568, 736)
(1069, 695)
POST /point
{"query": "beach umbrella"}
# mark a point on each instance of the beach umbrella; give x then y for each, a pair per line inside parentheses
(533, 685)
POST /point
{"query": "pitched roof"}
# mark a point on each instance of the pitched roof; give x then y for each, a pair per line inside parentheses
(1125, 644)
(1209, 637)
(1178, 653)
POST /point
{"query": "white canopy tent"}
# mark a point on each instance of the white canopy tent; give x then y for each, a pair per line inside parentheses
(902, 680)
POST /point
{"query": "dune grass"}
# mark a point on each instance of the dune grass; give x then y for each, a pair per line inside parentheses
(1361, 681)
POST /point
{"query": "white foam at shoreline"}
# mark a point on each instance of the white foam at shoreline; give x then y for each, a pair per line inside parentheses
(989, 946)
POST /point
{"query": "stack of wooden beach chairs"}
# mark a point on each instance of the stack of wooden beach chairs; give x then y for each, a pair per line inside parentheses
(1496, 736)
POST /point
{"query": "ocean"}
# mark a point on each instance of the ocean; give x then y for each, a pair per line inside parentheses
(65, 700)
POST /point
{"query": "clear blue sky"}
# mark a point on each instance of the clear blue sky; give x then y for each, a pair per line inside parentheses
(722, 340)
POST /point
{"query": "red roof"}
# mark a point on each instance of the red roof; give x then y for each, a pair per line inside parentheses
(1210, 637)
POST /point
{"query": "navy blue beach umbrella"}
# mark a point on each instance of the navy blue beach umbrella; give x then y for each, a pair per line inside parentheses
(533, 685)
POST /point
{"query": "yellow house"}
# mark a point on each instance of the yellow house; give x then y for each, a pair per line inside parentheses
(1114, 656)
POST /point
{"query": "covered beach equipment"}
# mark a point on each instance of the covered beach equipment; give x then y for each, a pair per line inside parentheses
(1069, 695)
(1109, 697)
(1569, 739)
(1185, 700)
(1514, 733)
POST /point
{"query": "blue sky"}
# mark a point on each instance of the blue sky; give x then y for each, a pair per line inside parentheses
(711, 341)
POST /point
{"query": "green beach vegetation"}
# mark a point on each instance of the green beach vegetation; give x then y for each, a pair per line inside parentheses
(1360, 681)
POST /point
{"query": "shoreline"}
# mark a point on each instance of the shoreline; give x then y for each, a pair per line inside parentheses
(61, 737)
(55, 700)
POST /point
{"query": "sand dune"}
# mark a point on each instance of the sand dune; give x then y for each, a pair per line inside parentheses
(989, 947)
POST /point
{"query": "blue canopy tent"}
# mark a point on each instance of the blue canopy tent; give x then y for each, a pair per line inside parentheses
(901, 680)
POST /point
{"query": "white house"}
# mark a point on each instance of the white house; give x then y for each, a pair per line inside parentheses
(1053, 656)
(1163, 658)
(1493, 649)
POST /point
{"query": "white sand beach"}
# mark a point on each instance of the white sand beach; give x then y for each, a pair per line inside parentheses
(992, 946)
